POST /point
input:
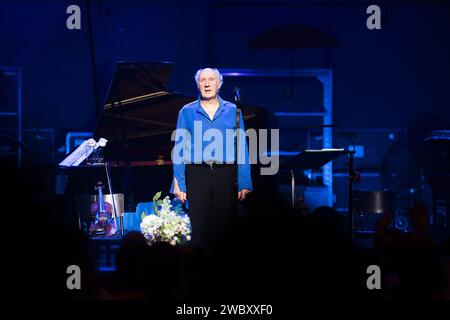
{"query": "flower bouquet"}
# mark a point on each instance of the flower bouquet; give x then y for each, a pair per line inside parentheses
(166, 224)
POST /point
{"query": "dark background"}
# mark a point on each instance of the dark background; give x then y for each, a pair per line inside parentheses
(382, 78)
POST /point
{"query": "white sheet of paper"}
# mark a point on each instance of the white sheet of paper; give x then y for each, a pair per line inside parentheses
(79, 155)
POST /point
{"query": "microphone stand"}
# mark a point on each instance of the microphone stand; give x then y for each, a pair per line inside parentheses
(108, 176)
(353, 177)
(237, 99)
(351, 180)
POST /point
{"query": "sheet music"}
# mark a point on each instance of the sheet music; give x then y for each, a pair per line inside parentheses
(83, 151)
(320, 150)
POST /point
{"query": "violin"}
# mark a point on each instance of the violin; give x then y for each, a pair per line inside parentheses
(104, 223)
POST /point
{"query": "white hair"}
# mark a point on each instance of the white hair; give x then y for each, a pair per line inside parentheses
(215, 70)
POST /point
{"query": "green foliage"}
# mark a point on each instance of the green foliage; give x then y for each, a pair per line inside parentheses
(157, 196)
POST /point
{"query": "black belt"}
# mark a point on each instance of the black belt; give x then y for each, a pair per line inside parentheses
(212, 165)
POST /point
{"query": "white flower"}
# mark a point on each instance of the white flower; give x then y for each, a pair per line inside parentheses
(166, 225)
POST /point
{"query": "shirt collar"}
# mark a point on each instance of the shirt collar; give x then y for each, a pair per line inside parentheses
(218, 112)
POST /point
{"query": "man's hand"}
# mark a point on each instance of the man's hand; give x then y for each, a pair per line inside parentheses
(243, 194)
(182, 196)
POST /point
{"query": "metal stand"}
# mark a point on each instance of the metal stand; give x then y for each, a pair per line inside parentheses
(351, 179)
(309, 159)
(293, 189)
(108, 176)
(237, 99)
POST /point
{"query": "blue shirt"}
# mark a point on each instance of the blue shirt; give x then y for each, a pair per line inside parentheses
(194, 142)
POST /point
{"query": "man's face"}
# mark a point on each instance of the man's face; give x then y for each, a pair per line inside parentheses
(208, 84)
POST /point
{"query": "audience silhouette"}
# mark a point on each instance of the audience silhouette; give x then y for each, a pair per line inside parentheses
(272, 252)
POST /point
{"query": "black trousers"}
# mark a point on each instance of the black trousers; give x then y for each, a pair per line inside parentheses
(212, 201)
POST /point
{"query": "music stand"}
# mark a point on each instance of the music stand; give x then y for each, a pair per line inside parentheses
(315, 159)
(79, 156)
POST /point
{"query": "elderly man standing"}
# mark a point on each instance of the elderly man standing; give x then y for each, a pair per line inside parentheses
(205, 176)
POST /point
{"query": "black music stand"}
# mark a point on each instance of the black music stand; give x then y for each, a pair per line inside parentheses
(315, 159)
(79, 156)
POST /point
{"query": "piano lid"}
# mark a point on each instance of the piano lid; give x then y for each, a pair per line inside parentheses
(138, 103)
(135, 81)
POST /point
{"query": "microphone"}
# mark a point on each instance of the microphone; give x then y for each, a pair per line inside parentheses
(237, 95)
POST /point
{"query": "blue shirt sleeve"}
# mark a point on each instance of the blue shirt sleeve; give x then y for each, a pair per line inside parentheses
(244, 176)
(179, 168)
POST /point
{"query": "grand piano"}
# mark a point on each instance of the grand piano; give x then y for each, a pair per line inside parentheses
(137, 119)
